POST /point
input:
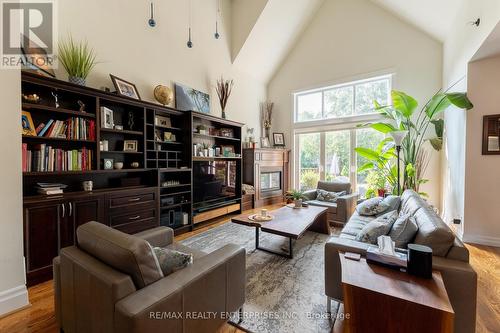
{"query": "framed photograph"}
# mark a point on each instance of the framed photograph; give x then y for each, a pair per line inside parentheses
(36, 60)
(130, 145)
(27, 126)
(125, 88)
(107, 120)
(264, 143)
(168, 137)
(163, 121)
(278, 139)
(108, 163)
(227, 132)
(227, 151)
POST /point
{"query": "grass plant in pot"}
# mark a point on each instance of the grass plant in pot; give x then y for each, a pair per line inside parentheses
(296, 196)
(78, 59)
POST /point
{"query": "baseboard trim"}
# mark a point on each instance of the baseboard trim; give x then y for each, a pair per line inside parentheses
(14, 299)
(482, 240)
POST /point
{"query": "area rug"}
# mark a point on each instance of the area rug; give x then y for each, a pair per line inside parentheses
(282, 295)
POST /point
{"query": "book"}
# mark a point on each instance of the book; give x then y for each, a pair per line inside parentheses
(39, 128)
(49, 123)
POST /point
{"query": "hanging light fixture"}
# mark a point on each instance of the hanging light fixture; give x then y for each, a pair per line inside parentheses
(151, 21)
(217, 15)
(189, 42)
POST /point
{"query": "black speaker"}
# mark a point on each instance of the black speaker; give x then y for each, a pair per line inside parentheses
(420, 260)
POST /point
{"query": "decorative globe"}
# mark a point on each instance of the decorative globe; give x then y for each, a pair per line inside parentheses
(163, 94)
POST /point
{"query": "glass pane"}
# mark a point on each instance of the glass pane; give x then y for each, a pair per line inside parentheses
(270, 181)
(368, 92)
(367, 138)
(309, 107)
(309, 160)
(339, 102)
(337, 154)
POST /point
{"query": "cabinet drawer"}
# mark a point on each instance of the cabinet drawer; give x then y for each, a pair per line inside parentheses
(131, 201)
(135, 222)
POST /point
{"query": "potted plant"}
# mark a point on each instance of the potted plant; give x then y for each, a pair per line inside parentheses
(224, 89)
(377, 184)
(78, 59)
(202, 129)
(296, 196)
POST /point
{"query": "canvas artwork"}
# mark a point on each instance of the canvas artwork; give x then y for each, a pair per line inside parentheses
(189, 99)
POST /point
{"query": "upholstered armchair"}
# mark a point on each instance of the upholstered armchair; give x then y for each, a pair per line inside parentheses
(340, 211)
(110, 282)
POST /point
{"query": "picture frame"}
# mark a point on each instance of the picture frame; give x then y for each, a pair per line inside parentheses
(227, 132)
(27, 125)
(189, 99)
(169, 137)
(227, 150)
(125, 88)
(108, 163)
(279, 139)
(163, 121)
(36, 60)
(491, 135)
(107, 118)
(264, 143)
(130, 145)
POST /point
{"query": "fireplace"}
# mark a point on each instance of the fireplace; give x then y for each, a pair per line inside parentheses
(267, 171)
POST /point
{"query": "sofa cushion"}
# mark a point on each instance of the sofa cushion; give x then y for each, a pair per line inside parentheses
(371, 207)
(378, 227)
(323, 195)
(433, 232)
(126, 253)
(182, 248)
(393, 201)
(335, 186)
(332, 206)
(355, 224)
(403, 230)
(171, 260)
(411, 202)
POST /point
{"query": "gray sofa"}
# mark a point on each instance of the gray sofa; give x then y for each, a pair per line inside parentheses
(110, 283)
(450, 257)
(338, 212)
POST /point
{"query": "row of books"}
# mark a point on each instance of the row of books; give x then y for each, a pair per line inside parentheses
(73, 129)
(43, 158)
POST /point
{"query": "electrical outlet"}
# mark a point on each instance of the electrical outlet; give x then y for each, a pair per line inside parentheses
(457, 221)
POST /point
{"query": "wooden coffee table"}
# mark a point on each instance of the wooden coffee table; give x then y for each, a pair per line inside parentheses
(288, 222)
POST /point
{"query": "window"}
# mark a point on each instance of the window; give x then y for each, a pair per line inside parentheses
(324, 148)
(345, 100)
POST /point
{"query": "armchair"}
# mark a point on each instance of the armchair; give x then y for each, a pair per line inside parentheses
(110, 283)
(338, 212)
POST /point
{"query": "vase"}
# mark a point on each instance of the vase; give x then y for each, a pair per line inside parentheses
(298, 203)
(76, 80)
(223, 114)
(268, 133)
(381, 192)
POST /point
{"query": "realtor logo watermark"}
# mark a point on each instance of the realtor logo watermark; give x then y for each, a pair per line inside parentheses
(28, 33)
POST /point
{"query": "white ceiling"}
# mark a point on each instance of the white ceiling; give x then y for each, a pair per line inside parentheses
(435, 17)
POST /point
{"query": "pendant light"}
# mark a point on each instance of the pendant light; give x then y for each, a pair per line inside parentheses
(189, 42)
(151, 21)
(217, 15)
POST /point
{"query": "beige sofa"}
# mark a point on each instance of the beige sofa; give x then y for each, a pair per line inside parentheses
(338, 212)
(450, 257)
(110, 283)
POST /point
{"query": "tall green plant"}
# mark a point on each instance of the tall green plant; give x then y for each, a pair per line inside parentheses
(403, 115)
(77, 58)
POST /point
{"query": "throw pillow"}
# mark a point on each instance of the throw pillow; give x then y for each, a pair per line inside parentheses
(393, 201)
(378, 227)
(403, 230)
(329, 196)
(172, 260)
(371, 207)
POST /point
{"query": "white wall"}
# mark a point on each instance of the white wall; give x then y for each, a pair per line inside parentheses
(128, 48)
(13, 292)
(482, 179)
(351, 38)
(459, 48)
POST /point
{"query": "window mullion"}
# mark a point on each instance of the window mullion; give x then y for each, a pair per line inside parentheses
(322, 155)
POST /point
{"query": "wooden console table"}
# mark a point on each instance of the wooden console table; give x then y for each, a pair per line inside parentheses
(379, 299)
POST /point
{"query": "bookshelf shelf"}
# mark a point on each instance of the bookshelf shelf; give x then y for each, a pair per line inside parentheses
(215, 137)
(121, 152)
(199, 158)
(112, 130)
(168, 128)
(40, 107)
(44, 138)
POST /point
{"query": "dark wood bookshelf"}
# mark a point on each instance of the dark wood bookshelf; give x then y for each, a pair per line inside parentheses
(46, 138)
(121, 152)
(215, 136)
(112, 130)
(41, 107)
(214, 158)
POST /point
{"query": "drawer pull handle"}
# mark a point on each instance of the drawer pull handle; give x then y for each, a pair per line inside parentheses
(135, 217)
(134, 199)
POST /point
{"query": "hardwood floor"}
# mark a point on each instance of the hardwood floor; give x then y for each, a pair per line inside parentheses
(485, 260)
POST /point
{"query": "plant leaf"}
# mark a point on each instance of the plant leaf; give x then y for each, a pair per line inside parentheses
(438, 104)
(436, 143)
(383, 127)
(438, 127)
(403, 103)
(367, 153)
(460, 100)
(366, 166)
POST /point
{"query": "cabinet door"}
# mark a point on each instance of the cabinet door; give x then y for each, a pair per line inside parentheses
(87, 209)
(41, 233)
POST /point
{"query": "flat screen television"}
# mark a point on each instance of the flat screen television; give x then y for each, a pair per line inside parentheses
(213, 182)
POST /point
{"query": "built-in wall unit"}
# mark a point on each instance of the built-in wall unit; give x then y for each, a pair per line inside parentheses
(91, 155)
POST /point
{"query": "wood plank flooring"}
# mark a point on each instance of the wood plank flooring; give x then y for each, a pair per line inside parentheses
(40, 316)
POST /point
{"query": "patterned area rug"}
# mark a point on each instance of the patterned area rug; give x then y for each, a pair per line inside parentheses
(282, 295)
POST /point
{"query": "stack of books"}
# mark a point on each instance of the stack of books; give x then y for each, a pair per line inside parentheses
(50, 188)
(71, 129)
(43, 158)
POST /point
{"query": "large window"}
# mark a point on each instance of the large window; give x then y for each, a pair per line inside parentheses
(325, 142)
(344, 100)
